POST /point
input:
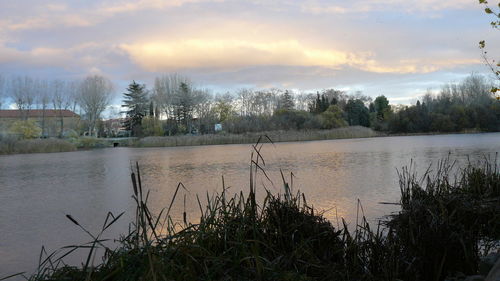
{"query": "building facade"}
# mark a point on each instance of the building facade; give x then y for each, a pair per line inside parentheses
(53, 123)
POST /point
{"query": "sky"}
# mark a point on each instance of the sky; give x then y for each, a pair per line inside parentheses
(396, 48)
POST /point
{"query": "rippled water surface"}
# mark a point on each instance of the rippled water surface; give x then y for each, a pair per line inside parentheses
(37, 190)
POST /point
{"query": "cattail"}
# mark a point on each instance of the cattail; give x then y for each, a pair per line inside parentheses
(72, 219)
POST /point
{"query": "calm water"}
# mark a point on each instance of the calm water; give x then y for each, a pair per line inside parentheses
(36, 191)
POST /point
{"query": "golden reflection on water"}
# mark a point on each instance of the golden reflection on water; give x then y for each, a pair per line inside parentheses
(39, 189)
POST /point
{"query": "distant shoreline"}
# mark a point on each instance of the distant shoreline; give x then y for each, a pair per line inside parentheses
(81, 144)
(249, 138)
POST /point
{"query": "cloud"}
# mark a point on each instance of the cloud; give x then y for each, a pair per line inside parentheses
(55, 15)
(84, 58)
(57, 7)
(305, 44)
(134, 6)
(47, 22)
(222, 53)
(232, 53)
(366, 6)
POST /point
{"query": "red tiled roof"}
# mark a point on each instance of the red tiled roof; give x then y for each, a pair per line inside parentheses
(35, 113)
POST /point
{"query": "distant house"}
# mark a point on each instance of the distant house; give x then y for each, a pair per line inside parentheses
(49, 120)
(114, 128)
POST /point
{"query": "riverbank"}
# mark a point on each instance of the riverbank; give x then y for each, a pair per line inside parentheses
(248, 138)
(352, 132)
(13, 146)
(50, 145)
(284, 238)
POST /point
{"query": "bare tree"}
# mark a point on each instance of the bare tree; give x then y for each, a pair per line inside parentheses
(43, 99)
(264, 102)
(95, 93)
(244, 101)
(166, 92)
(62, 97)
(3, 89)
(303, 100)
(23, 93)
(477, 90)
(204, 100)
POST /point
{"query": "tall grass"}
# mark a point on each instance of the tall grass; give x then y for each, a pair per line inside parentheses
(277, 136)
(13, 145)
(447, 222)
(90, 142)
(442, 228)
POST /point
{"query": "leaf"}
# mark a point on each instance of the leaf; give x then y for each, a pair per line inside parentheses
(488, 10)
(481, 44)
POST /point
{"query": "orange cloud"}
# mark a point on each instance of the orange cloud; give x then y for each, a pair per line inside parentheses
(197, 53)
(230, 53)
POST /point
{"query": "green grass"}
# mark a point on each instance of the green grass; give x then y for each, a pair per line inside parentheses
(443, 227)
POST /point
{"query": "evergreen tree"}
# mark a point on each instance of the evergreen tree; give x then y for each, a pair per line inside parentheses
(185, 105)
(136, 102)
(382, 107)
(357, 113)
(320, 105)
(286, 101)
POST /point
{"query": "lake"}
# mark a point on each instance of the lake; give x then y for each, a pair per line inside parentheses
(38, 190)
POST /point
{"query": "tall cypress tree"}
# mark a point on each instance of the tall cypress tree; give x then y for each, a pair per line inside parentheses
(136, 102)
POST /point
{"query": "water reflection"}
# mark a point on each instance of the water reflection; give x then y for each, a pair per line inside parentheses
(38, 190)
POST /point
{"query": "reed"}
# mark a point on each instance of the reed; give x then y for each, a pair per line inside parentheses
(248, 138)
(447, 222)
(13, 145)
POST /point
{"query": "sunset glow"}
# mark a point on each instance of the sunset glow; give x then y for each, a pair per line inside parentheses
(386, 46)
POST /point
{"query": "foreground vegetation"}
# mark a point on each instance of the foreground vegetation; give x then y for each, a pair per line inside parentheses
(443, 228)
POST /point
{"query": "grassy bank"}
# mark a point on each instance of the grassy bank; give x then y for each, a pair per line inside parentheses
(468, 131)
(13, 146)
(443, 228)
(276, 136)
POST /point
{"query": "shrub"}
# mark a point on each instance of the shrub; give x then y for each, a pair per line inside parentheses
(26, 129)
(152, 126)
(12, 145)
(443, 225)
(332, 118)
(90, 142)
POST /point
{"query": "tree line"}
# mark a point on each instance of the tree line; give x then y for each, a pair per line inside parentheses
(469, 105)
(89, 96)
(175, 105)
